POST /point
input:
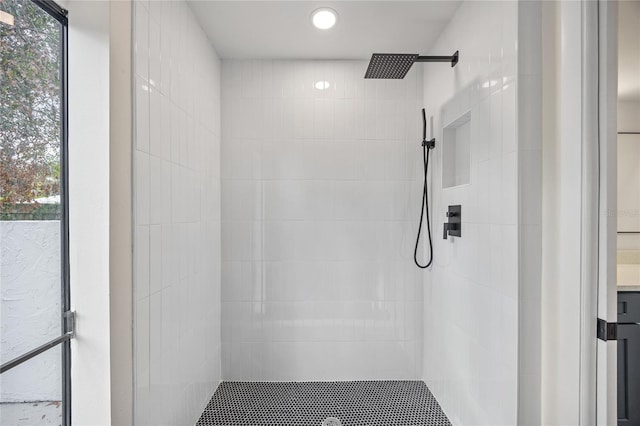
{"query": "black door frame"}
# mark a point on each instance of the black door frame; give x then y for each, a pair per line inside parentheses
(67, 317)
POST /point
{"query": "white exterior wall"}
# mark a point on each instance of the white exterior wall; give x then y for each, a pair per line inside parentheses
(30, 288)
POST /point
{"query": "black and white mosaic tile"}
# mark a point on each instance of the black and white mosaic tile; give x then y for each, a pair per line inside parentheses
(359, 403)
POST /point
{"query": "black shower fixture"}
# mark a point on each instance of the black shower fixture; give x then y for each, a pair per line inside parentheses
(453, 226)
(427, 145)
(397, 65)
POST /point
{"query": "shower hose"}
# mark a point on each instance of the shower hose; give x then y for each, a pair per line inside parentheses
(424, 207)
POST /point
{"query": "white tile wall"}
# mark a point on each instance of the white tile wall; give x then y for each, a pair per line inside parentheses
(177, 227)
(471, 292)
(320, 202)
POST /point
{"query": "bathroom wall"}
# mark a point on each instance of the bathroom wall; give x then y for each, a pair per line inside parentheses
(320, 207)
(177, 215)
(471, 292)
(628, 121)
(90, 40)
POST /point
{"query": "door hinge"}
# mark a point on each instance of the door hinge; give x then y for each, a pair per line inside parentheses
(70, 323)
(607, 330)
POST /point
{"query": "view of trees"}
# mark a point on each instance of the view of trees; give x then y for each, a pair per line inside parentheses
(30, 104)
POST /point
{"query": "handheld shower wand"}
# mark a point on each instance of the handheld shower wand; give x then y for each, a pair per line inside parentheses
(427, 145)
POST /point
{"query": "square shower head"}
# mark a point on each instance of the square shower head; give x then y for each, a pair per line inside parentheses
(390, 65)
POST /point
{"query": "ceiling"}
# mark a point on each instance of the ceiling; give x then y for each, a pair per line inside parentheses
(629, 51)
(283, 29)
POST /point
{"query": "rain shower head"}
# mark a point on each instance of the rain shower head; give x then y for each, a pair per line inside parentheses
(397, 65)
(390, 65)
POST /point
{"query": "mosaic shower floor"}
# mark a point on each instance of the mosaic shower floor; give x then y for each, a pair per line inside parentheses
(359, 403)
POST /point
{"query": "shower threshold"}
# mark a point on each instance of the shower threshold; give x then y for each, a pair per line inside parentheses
(353, 403)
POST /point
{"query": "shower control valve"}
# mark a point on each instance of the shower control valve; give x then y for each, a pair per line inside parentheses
(453, 226)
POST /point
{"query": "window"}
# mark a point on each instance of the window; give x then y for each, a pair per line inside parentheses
(36, 325)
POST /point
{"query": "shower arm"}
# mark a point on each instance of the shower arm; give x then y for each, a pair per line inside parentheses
(453, 59)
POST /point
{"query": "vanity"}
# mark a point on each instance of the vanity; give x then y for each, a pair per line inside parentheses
(628, 337)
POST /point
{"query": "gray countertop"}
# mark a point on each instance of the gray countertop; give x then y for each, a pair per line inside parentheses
(629, 288)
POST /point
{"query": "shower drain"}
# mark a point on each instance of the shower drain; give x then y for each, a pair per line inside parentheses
(331, 421)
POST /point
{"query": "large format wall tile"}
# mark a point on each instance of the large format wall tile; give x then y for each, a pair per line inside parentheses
(471, 293)
(177, 223)
(320, 205)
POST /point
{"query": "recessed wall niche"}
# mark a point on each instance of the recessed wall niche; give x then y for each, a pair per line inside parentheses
(456, 157)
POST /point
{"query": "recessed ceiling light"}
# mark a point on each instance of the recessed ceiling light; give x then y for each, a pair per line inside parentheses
(324, 18)
(321, 85)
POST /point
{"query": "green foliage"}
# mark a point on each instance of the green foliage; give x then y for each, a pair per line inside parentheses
(30, 101)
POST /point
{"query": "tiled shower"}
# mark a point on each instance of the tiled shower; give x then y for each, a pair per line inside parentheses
(276, 210)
